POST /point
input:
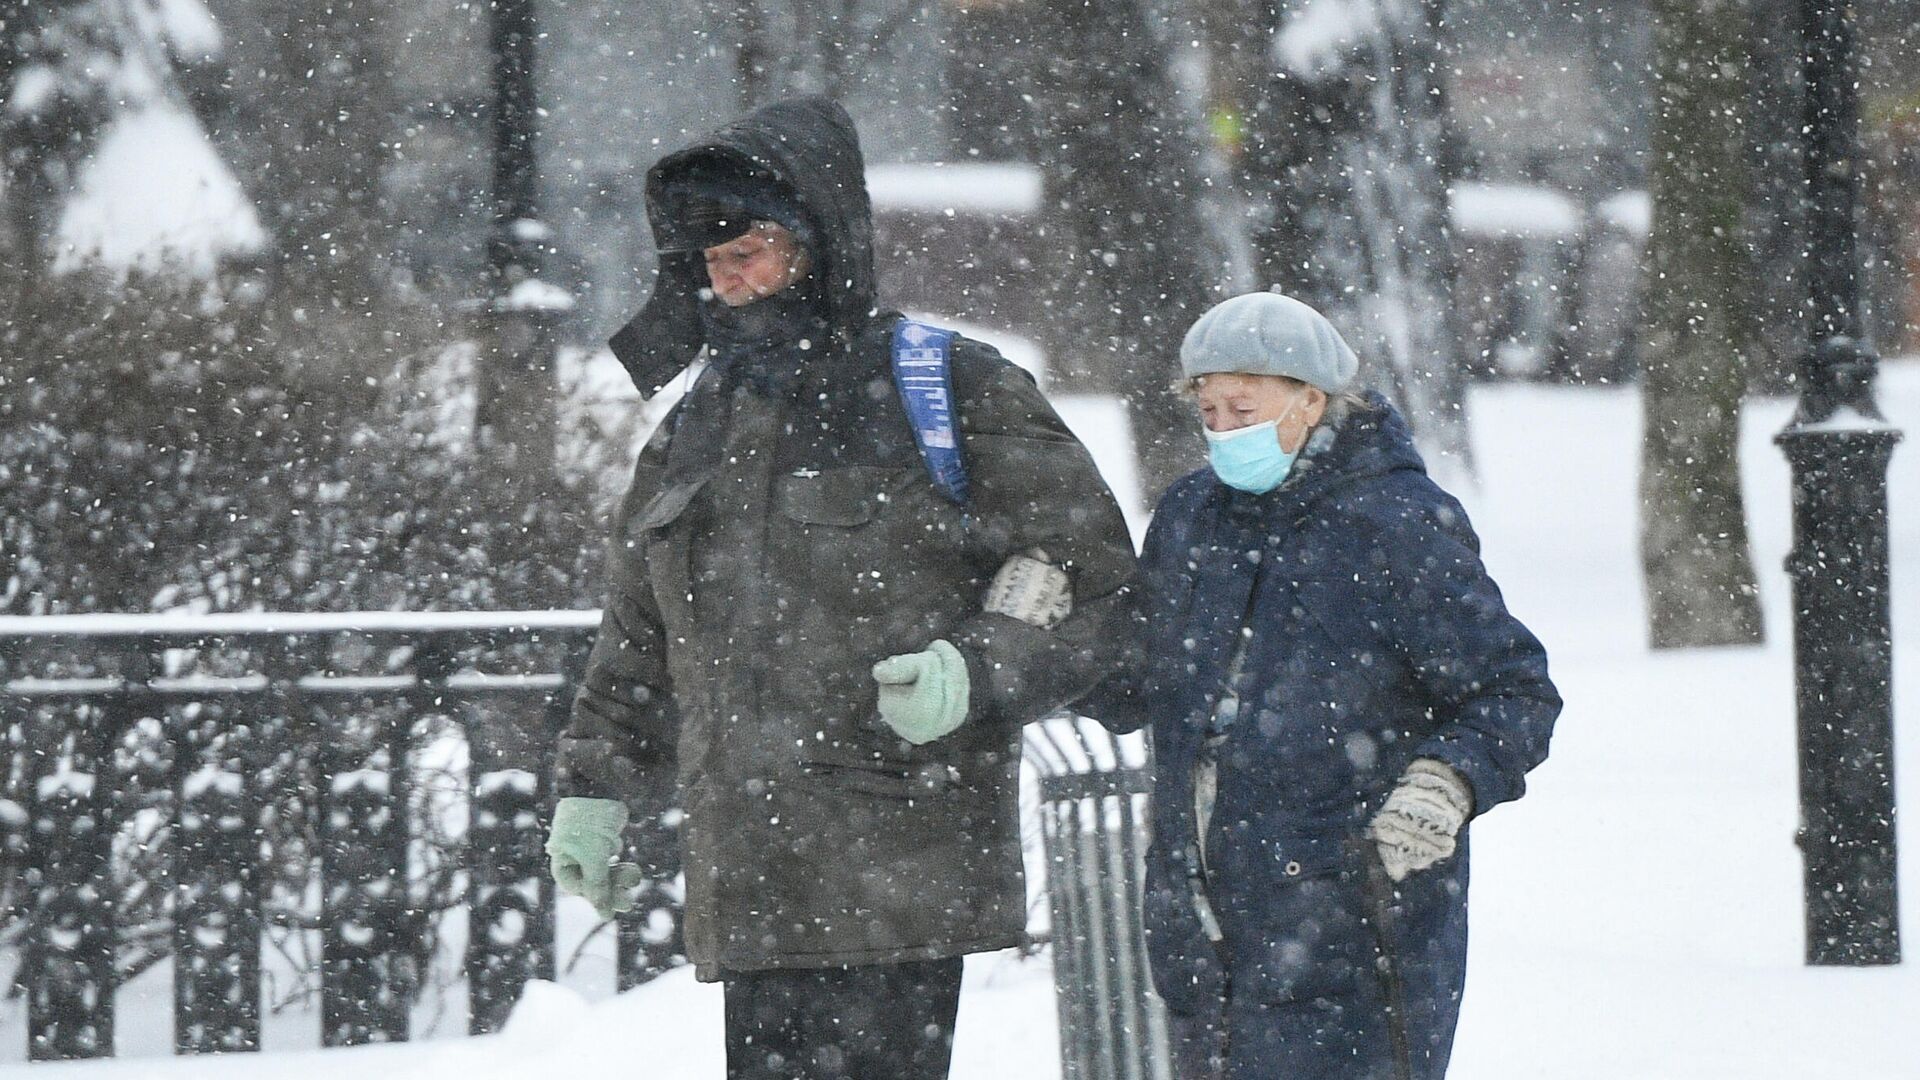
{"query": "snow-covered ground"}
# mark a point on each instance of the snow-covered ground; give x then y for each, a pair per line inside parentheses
(1636, 917)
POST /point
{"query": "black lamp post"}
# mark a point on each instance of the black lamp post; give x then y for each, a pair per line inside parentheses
(1839, 445)
(512, 912)
(516, 399)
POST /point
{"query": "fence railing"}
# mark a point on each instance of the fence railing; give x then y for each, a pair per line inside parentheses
(1094, 826)
(167, 773)
(200, 737)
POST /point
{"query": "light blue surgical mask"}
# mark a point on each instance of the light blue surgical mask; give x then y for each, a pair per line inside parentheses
(1250, 458)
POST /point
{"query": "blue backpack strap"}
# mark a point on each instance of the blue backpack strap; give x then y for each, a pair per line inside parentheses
(923, 372)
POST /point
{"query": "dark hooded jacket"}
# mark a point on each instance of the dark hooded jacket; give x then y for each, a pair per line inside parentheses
(1367, 634)
(780, 537)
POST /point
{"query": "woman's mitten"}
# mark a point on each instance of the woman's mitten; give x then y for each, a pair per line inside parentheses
(1417, 825)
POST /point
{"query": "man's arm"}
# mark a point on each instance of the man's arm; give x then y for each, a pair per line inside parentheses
(1035, 486)
(619, 743)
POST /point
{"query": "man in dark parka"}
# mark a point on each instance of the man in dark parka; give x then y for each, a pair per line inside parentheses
(781, 540)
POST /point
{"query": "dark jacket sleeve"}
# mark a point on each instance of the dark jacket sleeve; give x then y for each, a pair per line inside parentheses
(619, 742)
(1485, 674)
(1119, 702)
(1034, 485)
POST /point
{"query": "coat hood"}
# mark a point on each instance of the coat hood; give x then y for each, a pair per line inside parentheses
(1371, 441)
(806, 147)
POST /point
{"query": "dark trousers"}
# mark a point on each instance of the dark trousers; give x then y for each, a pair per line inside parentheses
(873, 1022)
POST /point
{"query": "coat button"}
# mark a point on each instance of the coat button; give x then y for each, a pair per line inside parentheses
(1293, 869)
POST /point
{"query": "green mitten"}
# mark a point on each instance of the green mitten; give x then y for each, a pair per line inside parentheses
(923, 695)
(580, 851)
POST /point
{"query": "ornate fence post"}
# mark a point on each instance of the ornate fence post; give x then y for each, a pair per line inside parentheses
(505, 943)
(367, 969)
(69, 952)
(216, 922)
(510, 896)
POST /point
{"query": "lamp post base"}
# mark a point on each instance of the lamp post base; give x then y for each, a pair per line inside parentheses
(1843, 676)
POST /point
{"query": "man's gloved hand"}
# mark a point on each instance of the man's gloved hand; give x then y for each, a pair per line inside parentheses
(580, 851)
(1417, 826)
(923, 695)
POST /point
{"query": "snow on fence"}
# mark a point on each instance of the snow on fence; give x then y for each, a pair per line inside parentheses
(194, 739)
(210, 723)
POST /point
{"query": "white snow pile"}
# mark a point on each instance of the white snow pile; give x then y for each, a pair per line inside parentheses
(152, 196)
(668, 1029)
(155, 198)
(1004, 189)
(1520, 210)
(1319, 35)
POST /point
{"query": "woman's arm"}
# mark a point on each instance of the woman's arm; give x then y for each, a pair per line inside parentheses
(1486, 674)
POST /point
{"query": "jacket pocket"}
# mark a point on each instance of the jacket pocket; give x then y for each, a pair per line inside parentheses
(843, 498)
(901, 783)
(669, 556)
(666, 506)
(1297, 928)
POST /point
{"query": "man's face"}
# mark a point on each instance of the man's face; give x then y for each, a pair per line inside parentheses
(755, 265)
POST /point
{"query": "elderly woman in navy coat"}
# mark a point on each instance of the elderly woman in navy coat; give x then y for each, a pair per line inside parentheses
(1335, 690)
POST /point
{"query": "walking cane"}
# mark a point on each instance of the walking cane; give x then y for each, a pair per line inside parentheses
(1379, 892)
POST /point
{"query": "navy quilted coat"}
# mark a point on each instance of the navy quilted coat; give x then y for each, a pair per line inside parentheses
(1373, 636)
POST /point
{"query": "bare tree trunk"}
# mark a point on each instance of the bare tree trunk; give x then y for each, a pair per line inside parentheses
(1129, 274)
(1693, 538)
(1348, 151)
(750, 54)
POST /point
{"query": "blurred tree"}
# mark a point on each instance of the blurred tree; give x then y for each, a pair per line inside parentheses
(204, 404)
(1124, 261)
(989, 45)
(314, 124)
(129, 314)
(785, 47)
(1336, 111)
(1701, 330)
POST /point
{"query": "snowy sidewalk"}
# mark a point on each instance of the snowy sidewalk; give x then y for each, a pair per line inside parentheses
(1636, 917)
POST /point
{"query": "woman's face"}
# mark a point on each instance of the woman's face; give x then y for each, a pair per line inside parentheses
(1230, 402)
(755, 265)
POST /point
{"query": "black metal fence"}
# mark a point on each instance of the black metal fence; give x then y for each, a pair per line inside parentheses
(171, 780)
(164, 769)
(1094, 829)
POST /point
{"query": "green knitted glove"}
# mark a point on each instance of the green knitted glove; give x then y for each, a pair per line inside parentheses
(923, 695)
(581, 848)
